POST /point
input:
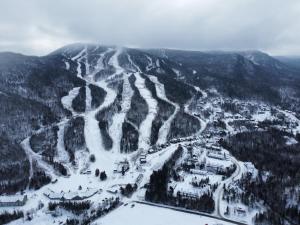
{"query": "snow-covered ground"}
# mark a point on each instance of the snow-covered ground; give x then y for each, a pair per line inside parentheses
(88, 99)
(115, 130)
(92, 131)
(145, 127)
(262, 116)
(32, 156)
(164, 130)
(62, 155)
(67, 65)
(68, 99)
(293, 119)
(136, 214)
(83, 173)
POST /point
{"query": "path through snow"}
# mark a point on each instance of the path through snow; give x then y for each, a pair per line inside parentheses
(92, 131)
(165, 128)
(68, 99)
(115, 130)
(145, 127)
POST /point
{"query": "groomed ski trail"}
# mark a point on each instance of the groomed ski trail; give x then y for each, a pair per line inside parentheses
(145, 127)
(115, 130)
(165, 128)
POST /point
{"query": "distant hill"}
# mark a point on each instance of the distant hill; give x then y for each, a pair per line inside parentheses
(293, 61)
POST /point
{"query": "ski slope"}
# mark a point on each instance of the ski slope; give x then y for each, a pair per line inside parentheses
(115, 130)
(68, 99)
(145, 127)
(165, 128)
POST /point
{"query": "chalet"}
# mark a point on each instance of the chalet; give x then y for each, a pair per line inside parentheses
(143, 155)
(215, 148)
(191, 161)
(143, 158)
(154, 149)
(122, 167)
(214, 168)
(12, 201)
(197, 171)
(240, 211)
(86, 172)
(188, 195)
(114, 189)
(217, 155)
(139, 179)
(68, 196)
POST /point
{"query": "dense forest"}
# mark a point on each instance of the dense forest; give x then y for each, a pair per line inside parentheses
(279, 173)
(14, 166)
(74, 136)
(164, 111)
(159, 192)
(78, 103)
(105, 116)
(7, 217)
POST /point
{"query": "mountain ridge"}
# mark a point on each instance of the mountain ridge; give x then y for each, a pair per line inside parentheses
(147, 119)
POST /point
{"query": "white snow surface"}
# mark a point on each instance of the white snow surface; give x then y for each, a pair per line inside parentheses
(165, 128)
(68, 99)
(115, 130)
(92, 132)
(152, 215)
(106, 160)
(88, 99)
(145, 127)
(61, 155)
(67, 65)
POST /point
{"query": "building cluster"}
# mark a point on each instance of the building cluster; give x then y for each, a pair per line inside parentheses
(71, 195)
(12, 201)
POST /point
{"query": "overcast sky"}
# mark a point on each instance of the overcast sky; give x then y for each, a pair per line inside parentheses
(40, 26)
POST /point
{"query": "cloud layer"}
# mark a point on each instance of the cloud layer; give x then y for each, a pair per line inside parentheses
(40, 26)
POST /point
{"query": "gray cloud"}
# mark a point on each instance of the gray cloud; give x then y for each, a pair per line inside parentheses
(40, 26)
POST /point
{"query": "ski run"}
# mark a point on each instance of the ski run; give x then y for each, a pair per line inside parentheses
(82, 174)
(165, 128)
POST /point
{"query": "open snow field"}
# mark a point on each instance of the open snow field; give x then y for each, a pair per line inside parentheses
(151, 215)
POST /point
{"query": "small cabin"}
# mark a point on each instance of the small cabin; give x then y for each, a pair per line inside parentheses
(240, 211)
(122, 167)
(143, 160)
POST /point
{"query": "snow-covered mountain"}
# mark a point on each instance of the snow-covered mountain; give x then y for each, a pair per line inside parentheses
(85, 107)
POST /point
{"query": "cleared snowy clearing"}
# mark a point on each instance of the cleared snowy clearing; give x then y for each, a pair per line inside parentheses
(92, 131)
(137, 214)
(62, 155)
(88, 99)
(145, 127)
(165, 128)
(67, 100)
(32, 156)
(115, 130)
(67, 65)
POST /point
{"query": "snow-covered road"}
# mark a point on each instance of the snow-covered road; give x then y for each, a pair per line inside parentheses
(219, 191)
